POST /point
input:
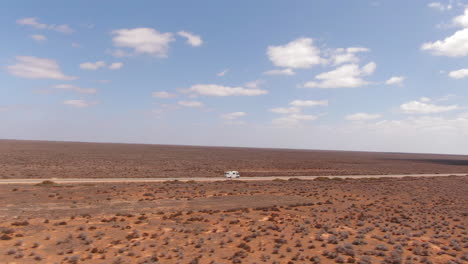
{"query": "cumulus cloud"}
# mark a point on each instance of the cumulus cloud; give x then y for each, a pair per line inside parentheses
(70, 87)
(423, 107)
(143, 41)
(345, 76)
(348, 55)
(459, 74)
(287, 71)
(192, 39)
(78, 103)
(462, 20)
(306, 103)
(33, 22)
(92, 65)
(395, 80)
(116, 65)
(362, 117)
(300, 53)
(455, 45)
(219, 90)
(39, 38)
(37, 68)
(163, 94)
(233, 115)
(195, 104)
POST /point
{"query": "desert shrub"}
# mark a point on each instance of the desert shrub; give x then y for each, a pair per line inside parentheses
(46, 183)
(244, 246)
(365, 260)
(6, 230)
(395, 257)
(20, 223)
(330, 254)
(315, 260)
(359, 241)
(381, 247)
(346, 249)
(322, 179)
(332, 240)
(5, 237)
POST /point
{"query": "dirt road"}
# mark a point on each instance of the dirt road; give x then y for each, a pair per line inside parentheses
(211, 179)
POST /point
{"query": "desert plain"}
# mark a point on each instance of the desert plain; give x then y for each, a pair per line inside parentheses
(326, 220)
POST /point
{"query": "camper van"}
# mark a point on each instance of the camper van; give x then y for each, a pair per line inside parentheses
(231, 174)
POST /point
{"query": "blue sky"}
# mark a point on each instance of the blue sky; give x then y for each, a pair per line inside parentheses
(349, 75)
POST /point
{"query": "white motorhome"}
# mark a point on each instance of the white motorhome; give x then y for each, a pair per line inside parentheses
(231, 174)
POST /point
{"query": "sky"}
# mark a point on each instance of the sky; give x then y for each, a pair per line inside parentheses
(364, 75)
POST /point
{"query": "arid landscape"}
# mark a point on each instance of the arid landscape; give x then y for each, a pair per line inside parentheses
(42, 159)
(409, 220)
(325, 220)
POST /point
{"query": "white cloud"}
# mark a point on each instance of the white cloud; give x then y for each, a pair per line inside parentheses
(37, 68)
(163, 94)
(306, 103)
(92, 65)
(143, 41)
(70, 87)
(362, 117)
(462, 20)
(286, 110)
(459, 74)
(219, 90)
(453, 46)
(190, 103)
(78, 103)
(192, 39)
(287, 71)
(439, 6)
(341, 55)
(423, 107)
(116, 65)
(76, 45)
(254, 84)
(345, 76)
(293, 119)
(234, 115)
(398, 80)
(220, 74)
(33, 22)
(39, 38)
(300, 53)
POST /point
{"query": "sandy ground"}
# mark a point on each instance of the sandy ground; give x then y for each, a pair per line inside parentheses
(407, 220)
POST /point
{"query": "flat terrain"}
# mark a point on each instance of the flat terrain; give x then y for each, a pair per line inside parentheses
(212, 179)
(40, 159)
(387, 220)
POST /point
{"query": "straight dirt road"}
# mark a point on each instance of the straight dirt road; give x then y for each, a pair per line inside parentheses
(212, 179)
